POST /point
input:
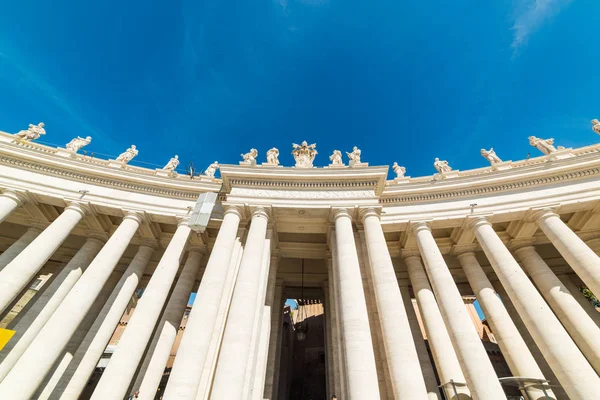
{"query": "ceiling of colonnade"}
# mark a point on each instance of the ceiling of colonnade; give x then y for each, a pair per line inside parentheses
(404, 81)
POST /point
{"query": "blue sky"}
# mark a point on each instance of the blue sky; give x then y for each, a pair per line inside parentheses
(406, 81)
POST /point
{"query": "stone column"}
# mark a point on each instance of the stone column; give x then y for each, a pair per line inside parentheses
(276, 315)
(570, 366)
(233, 360)
(31, 324)
(338, 345)
(475, 363)
(513, 347)
(9, 202)
(86, 357)
(17, 247)
(191, 355)
(34, 364)
(446, 360)
(580, 257)
(123, 363)
(154, 365)
(581, 299)
(362, 382)
(15, 276)
(433, 392)
(401, 354)
(576, 321)
(329, 367)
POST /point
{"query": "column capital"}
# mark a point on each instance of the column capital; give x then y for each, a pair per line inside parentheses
(418, 226)
(147, 242)
(371, 211)
(260, 212)
(97, 235)
(236, 209)
(81, 208)
(340, 212)
(182, 220)
(516, 244)
(196, 249)
(137, 216)
(477, 221)
(461, 250)
(14, 196)
(409, 253)
(539, 214)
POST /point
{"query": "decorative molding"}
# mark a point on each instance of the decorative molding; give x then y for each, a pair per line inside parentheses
(297, 194)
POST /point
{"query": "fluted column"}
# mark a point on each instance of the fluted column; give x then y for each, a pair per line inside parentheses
(18, 246)
(570, 366)
(576, 321)
(29, 371)
(580, 257)
(15, 276)
(9, 202)
(233, 360)
(155, 363)
(401, 354)
(92, 347)
(37, 316)
(191, 355)
(362, 381)
(123, 363)
(474, 361)
(446, 360)
(513, 347)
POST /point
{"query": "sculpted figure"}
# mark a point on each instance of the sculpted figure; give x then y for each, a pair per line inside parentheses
(336, 158)
(441, 166)
(172, 164)
(128, 154)
(273, 156)
(78, 143)
(400, 171)
(250, 157)
(491, 156)
(212, 168)
(304, 154)
(596, 126)
(546, 146)
(32, 133)
(354, 156)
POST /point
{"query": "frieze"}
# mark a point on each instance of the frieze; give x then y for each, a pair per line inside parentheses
(304, 194)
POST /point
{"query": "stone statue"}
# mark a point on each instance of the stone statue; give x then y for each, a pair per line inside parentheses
(78, 143)
(441, 166)
(596, 126)
(128, 155)
(273, 156)
(172, 164)
(546, 146)
(400, 171)
(212, 168)
(304, 154)
(354, 156)
(336, 158)
(490, 156)
(250, 157)
(32, 133)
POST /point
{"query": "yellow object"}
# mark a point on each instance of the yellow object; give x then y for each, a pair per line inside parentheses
(5, 335)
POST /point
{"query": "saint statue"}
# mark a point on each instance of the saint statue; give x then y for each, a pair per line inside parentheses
(32, 133)
(354, 156)
(304, 154)
(128, 155)
(400, 171)
(596, 126)
(546, 146)
(273, 156)
(212, 168)
(441, 166)
(78, 143)
(172, 164)
(250, 157)
(490, 156)
(336, 158)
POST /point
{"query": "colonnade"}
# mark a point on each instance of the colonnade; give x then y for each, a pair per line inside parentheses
(230, 345)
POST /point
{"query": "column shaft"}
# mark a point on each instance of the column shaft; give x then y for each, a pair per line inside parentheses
(513, 347)
(232, 365)
(9, 201)
(154, 365)
(276, 315)
(123, 363)
(475, 363)
(34, 364)
(194, 346)
(401, 354)
(18, 246)
(570, 366)
(581, 299)
(339, 352)
(15, 276)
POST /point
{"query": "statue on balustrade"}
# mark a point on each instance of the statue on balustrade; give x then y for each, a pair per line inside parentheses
(354, 156)
(400, 171)
(441, 166)
(304, 154)
(77, 143)
(250, 157)
(212, 168)
(273, 156)
(336, 158)
(128, 154)
(596, 126)
(172, 164)
(546, 146)
(491, 156)
(32, 133)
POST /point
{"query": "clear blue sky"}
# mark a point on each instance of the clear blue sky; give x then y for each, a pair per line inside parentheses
(406, 81)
